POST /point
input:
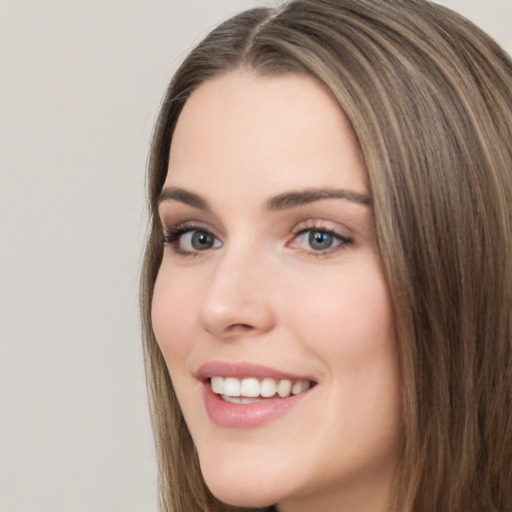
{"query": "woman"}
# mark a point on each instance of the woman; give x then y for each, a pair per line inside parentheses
(327, 282)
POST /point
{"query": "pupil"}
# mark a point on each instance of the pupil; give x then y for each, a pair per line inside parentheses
(201, 241)
(320, 240)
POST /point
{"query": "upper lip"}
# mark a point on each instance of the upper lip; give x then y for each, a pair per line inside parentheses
(241, 370)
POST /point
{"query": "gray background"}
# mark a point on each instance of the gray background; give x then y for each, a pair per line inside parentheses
(80, 85)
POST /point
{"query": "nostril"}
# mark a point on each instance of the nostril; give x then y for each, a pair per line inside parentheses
(240, 328)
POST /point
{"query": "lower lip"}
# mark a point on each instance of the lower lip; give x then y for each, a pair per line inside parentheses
(226, 414)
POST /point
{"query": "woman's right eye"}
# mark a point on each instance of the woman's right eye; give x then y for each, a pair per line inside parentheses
(189, 240)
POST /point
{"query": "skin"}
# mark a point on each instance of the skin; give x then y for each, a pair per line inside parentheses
(262, 294)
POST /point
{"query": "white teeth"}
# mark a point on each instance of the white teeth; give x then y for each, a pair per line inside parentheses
(296, 388)
(251, 388)
(300, 386)
(268, 387)
(239, 399)
(231, 387)
(284, 388)
(218, 385)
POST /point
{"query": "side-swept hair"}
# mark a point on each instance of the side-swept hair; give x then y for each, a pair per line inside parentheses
(429, 98)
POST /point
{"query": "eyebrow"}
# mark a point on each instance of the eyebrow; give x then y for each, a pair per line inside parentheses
(302, 197)
(282, 201)
(183, 196)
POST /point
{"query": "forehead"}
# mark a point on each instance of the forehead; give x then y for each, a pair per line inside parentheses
(242, 128)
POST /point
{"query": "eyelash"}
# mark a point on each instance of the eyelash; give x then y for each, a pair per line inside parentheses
(172, 237)
(343, 241)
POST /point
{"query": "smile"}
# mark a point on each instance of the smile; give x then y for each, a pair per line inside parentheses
(252, 390)
(245, 395)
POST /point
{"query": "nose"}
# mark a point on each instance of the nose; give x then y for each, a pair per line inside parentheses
(237, 298)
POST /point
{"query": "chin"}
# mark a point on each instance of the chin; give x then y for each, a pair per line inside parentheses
(246, 496)
(238, 489)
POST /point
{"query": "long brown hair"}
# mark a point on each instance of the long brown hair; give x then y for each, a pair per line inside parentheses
(429, 98)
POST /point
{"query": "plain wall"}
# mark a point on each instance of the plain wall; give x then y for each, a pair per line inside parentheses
(80, 85)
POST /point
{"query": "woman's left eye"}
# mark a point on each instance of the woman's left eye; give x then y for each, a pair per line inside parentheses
(319, 240)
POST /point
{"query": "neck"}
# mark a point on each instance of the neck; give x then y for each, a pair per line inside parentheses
(374, 497)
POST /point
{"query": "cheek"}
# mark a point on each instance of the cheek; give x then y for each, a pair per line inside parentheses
(173, 319)
(348, 325)
(345, 318)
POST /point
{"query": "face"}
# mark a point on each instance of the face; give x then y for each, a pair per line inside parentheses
(270, 305)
